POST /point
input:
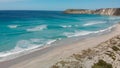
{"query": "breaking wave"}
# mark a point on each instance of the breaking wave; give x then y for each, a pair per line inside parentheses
(66, 26)
(13, 26)
(94, 23)
(82, 33)
(23, 46)
(37, 28)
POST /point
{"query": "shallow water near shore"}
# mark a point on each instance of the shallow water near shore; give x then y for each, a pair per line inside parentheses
(25, 30)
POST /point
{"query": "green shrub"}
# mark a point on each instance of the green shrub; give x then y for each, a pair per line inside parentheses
(102, 64)
(111, 54)
(115, 48)
(54, 66)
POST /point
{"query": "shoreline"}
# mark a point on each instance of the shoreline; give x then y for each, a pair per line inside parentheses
(52, 54)
(76, 38)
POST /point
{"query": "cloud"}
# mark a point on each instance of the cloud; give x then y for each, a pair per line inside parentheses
(9, 0)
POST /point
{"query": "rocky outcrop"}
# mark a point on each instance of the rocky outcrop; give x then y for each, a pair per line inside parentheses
(105, 55)
(106, 11)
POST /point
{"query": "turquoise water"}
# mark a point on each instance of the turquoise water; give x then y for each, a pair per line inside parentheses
(25, 30)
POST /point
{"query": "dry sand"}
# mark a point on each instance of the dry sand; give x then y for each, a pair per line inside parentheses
(48, 56)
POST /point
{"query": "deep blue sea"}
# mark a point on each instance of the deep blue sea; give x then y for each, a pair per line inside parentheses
(24, 30)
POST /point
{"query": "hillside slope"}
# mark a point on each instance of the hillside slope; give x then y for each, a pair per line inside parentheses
(105, 11)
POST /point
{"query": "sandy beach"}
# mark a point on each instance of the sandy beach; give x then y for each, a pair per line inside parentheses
(46, 57)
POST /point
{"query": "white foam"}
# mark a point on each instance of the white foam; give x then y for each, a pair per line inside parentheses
(14, 53)
(107, 29)
(66, 26)
(82, 33)
(23, 46)
(50, 42)
(37, 28)
(77, 33)
(93, 23)
(13, 26)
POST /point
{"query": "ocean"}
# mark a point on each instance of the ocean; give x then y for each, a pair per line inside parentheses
(22, 31)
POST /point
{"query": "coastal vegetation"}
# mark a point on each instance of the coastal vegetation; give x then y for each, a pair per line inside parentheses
(105, 55)
(102, 64)
(115, 48)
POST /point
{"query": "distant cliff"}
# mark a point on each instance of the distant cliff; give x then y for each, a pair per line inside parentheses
(105, 11)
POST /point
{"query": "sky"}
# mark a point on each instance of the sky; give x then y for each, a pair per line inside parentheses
(57, 4)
